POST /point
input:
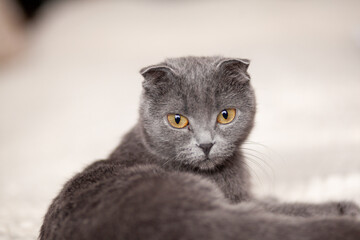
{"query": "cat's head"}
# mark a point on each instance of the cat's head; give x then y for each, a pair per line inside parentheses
(196, 111)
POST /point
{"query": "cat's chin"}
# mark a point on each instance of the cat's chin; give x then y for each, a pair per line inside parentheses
(209, 164)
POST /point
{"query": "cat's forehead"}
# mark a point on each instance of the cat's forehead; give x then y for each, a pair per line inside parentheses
(198, 91)
(196, 84)
(193, 67)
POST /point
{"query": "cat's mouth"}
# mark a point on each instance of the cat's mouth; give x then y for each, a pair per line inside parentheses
(209, 163)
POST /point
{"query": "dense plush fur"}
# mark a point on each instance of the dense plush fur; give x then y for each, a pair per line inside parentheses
(159, 184)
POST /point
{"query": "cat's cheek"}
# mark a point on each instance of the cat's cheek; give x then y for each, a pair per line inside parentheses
(227, 133)
(176, 138)
(233, 131)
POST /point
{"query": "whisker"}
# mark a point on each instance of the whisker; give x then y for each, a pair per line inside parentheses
(253, 172)
(260, 153)
(261, 167)
(262, 161)
(279, 157)
(257, 143)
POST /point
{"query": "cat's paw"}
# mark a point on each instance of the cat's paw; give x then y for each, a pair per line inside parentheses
(346, 208)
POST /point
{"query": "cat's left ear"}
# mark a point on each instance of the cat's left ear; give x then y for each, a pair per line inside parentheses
(234, 67)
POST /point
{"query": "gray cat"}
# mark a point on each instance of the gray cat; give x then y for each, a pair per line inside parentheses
(180, 173)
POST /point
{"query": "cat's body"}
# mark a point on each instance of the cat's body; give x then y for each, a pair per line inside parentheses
(187, 182)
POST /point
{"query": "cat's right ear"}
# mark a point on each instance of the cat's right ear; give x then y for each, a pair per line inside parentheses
(156, 76)
(156, 71)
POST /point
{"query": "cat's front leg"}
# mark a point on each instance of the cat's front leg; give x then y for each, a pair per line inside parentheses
(333, 209)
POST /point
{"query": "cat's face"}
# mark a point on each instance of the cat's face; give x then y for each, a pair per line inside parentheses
(196, 112)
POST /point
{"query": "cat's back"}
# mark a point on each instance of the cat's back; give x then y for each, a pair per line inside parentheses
(90, 192)
(107, 194)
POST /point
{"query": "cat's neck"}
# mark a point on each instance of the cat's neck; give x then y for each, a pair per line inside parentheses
(131, 150)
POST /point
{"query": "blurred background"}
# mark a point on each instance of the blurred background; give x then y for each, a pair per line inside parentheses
(70, 87)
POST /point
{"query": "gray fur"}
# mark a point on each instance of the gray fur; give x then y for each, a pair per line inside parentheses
(159, 184)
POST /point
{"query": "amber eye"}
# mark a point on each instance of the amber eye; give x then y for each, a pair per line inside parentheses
(177, 120)
(226, 116)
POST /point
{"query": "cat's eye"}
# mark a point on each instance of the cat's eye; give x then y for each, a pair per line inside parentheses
(226, 116)
(177, 120)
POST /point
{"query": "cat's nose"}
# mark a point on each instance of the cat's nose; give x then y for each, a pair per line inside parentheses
(206, 147)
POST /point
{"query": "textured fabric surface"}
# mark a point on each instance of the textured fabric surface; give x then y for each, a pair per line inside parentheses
(68, 99)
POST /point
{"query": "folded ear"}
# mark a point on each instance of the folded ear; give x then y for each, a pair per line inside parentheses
(156, 71)
(234, 67)
(236, 63)
(157, 78)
